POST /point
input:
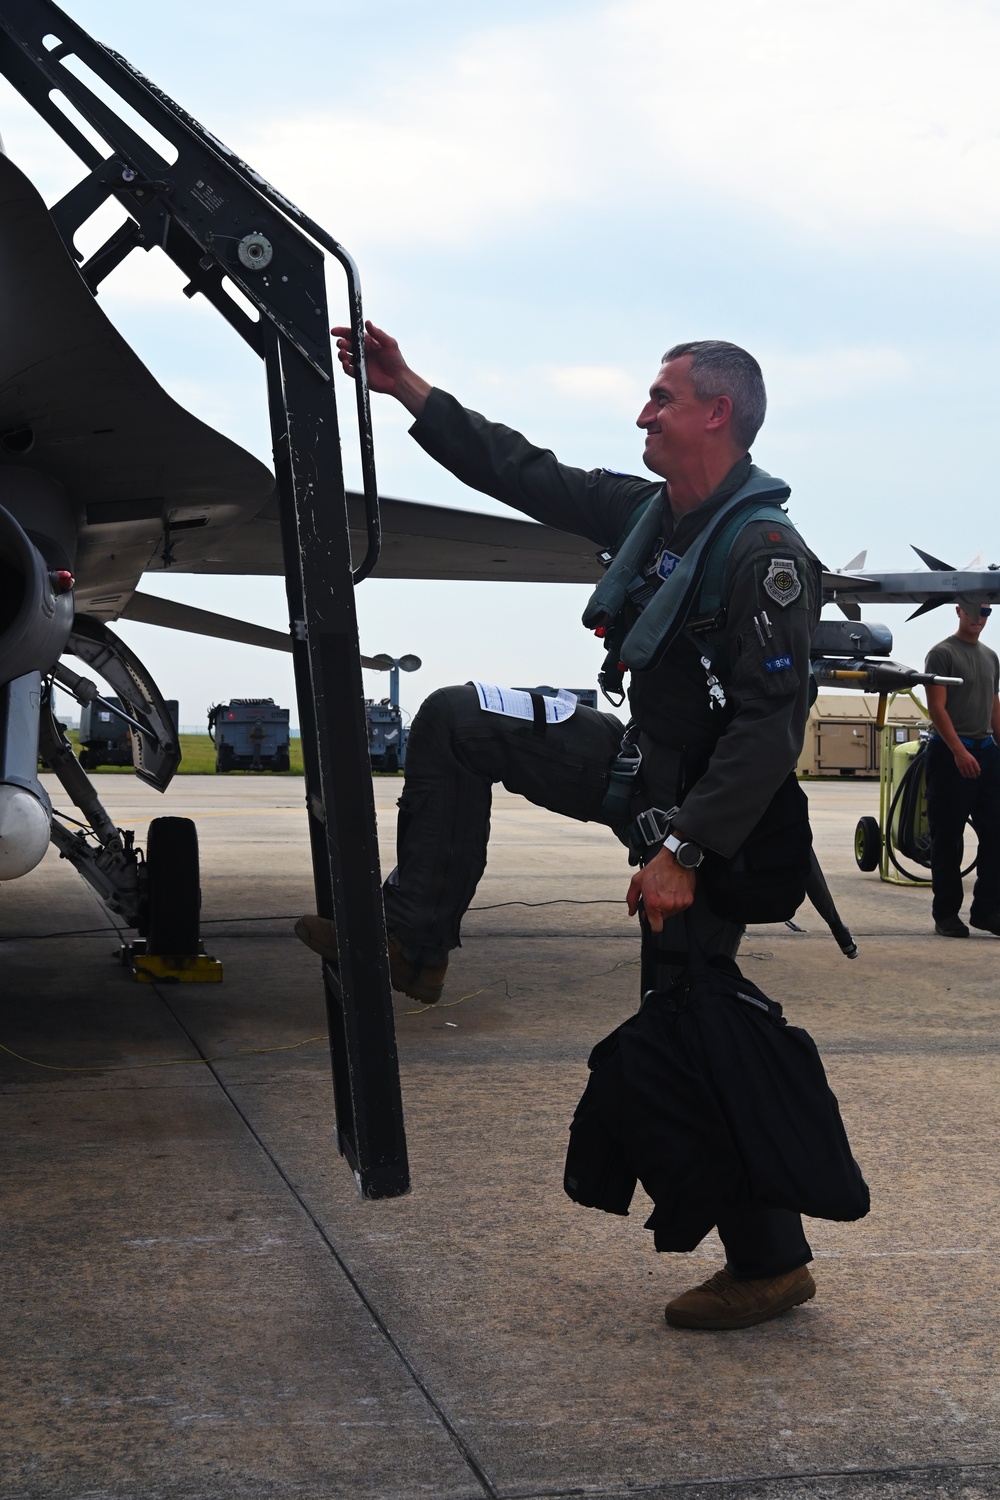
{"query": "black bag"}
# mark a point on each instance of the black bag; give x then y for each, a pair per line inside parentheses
(765, 880)
(710, 1099)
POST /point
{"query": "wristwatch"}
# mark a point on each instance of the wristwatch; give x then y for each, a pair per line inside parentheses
(687, 854)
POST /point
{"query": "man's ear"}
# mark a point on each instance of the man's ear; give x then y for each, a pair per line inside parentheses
(721, 412)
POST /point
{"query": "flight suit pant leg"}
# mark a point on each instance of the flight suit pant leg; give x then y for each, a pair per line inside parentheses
(950, 799)
(455, 753)
(763, 1242)
(759, 1242)
(986, 821)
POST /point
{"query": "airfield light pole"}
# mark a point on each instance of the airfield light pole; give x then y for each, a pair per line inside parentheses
(219, 221)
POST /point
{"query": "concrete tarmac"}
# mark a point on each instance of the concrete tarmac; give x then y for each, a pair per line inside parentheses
(197, 1304)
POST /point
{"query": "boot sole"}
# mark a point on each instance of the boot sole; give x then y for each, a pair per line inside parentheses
(794, 1297)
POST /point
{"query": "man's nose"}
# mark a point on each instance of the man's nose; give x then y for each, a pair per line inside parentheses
(645, 417)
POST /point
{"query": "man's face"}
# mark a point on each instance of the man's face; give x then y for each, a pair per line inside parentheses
(972, 625)
(676, 421)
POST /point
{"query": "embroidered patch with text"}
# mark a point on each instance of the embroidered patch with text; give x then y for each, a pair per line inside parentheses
(778, 664)
(782, 581)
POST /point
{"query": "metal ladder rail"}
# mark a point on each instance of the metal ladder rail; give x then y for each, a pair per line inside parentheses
(216, 218)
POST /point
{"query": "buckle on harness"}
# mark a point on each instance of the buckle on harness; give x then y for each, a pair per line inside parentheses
(622, 772)
(653, 825)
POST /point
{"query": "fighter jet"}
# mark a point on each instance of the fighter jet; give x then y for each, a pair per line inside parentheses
(104, 477)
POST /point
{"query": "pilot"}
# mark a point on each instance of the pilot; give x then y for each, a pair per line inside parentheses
(718, 731)
(963, 772)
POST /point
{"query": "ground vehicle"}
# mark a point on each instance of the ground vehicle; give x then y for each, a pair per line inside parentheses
(387, 735)
(249, 734)
(105, 737)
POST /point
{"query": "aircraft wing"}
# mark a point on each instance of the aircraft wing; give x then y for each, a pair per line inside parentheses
(420, 541)
(152, 485)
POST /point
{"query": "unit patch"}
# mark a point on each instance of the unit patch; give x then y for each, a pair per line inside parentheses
(666, 563)
(778, 664)
(782, 581)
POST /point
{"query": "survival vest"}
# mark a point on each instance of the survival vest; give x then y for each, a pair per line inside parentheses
(690, 596)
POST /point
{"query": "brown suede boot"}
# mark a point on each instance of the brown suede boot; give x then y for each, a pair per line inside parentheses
(724, 1302)
(319, 934)
(420, 981)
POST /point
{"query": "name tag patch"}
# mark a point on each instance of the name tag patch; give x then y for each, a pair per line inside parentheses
(782, 581)
(778, 664)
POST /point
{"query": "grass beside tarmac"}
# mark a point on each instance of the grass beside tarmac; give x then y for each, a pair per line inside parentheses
(198, 758)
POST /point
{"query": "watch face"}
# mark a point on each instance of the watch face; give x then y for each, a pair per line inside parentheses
(689, 855)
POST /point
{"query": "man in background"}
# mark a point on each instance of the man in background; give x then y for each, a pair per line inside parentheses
(963, 772)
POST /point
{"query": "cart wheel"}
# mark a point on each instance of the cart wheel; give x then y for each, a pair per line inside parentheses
(867, 844)
(174, 891)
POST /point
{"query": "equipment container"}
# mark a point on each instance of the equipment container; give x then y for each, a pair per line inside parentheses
(843, 737)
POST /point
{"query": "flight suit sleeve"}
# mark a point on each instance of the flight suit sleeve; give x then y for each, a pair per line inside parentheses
(773, 604)
(498, 461)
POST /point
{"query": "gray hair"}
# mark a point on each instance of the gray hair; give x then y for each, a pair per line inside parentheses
(721, 369)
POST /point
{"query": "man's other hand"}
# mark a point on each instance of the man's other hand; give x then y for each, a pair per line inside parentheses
(664, 887)
(388, 372)
(968, 765)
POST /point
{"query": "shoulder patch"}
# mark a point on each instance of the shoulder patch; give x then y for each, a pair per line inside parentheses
(782, 581)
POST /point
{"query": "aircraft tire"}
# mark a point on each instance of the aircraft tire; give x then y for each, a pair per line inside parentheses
(867, 844)
(174, 899)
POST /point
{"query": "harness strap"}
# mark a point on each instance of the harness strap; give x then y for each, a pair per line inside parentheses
(537, 713)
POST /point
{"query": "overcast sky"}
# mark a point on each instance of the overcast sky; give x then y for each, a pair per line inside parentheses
(541, 197)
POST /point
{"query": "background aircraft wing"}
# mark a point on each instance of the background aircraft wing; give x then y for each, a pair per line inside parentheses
(419, 541)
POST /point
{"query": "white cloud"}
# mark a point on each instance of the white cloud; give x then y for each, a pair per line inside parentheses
(594, 383)
(835, 114)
